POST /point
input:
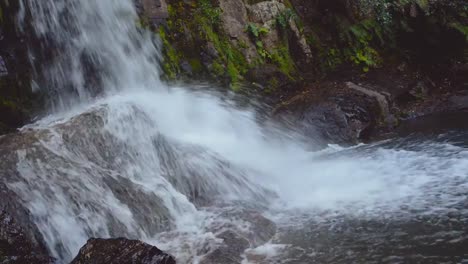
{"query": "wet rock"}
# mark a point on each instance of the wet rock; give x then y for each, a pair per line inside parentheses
(17, 245)
(230, 252)
(433, 124)
(120, 250)
(186, 67)
(380, 98)
(234, 19)
(265, 13)
(3, 67)
(155, 10)
(20, 238)
(269, 77)
(459, 101)
(240, 230)
(17, 100)
(33, 159)
(333, 112)
(260, 229)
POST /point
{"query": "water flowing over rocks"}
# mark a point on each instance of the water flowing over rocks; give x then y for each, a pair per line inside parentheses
(116, 251)
(210, 179)
(69, 146)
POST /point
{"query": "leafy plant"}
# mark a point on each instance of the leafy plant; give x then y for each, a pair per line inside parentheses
(213, 14)
(283, 18)
(256, 31)
(359, 40)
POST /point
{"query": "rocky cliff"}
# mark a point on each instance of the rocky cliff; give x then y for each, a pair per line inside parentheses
(412, 55)
(411, 52)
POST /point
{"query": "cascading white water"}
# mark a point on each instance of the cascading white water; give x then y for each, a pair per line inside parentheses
(154, 162)
(92, 45)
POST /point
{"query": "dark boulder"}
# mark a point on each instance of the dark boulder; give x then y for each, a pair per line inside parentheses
(18, 102)
(120, 250)
(335, 112)
(16, 244)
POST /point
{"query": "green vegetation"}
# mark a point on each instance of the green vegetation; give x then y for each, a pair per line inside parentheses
(194, 30)
(361, 38)
(365, 36)
(282, 58)
(171, 61)
(256, 31)
(230, 62)
(283, 18)
(212, 14)
(357, 44)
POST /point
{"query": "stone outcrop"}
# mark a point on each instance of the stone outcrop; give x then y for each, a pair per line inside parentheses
(281, 47)
(17, 245)
(154, 10)
(226, 39)
(332, 112)
(120, 250)
(17, 100)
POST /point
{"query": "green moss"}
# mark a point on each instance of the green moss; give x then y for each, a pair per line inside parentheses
(283, 18)
(231, 62)
(330, 59)
(282, 58)
(256, 31)
(233, 73)
(463, 29)
(211, 13)
(172, 58)
(171, 10)
(217, 68)
(273, 85)
(360, 39)
(8, 103)
(196, 65)
(357, 44)
(143, 22)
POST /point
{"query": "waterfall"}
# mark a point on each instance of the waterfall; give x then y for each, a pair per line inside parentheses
(92, 47)
(123, 154)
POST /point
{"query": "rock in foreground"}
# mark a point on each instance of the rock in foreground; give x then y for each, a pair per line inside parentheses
(120, 250)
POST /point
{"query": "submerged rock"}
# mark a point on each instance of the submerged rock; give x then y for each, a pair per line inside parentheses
(121, 250)
(242, 230)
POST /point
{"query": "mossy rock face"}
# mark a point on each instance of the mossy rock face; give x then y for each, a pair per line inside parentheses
(228, 40)
(217, 40)
(364, 32)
